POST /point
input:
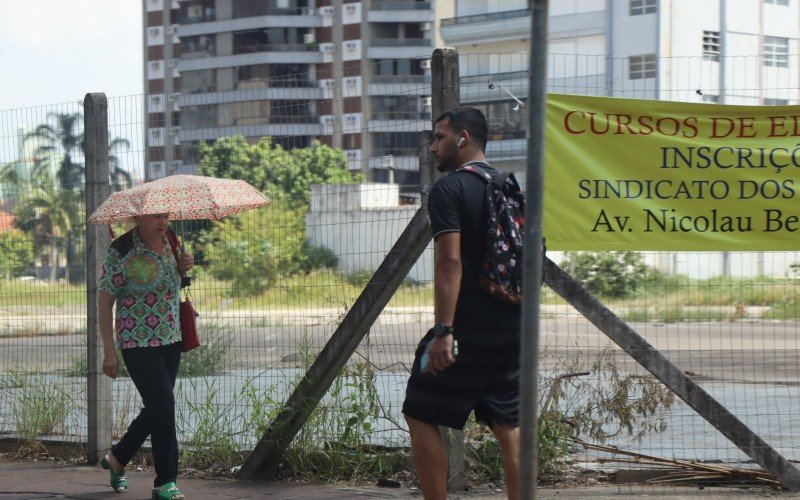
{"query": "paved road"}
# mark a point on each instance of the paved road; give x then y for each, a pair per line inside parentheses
(753, 351)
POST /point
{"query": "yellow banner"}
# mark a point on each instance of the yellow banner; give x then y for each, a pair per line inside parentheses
(627, 174)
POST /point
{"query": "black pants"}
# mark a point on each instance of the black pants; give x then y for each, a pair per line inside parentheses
(153, 371)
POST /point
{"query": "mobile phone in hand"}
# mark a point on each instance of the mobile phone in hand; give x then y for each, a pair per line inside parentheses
(425, 359)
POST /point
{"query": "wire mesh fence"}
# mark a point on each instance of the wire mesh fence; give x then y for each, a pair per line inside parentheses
(338, 154)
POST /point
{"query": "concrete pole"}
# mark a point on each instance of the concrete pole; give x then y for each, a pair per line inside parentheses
(98, 399)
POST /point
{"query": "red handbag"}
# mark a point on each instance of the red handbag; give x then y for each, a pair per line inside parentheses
(191, 338)
(189, 335)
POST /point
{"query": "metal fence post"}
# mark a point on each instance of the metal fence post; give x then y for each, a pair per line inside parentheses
(98, 398)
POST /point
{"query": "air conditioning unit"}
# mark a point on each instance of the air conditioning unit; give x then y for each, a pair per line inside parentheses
(328, 119)
(326, 11)
(351, 118)
(426, 26)
(350, 46)
(172, 63)
(194, 10)
(351, 81)
(155, 100)
(155, 65)
(425, 64)
(426, 101)
(307, 11)
(350, 8)
(309, 38)
(352, 154)
(328, 48)
(153, 32)
(175, 131)
(327, 83)
(156, 133)
(170, 30)
(177, 164)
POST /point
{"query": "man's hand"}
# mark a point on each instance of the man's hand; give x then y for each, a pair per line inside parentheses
(440, 353)
(111, 364)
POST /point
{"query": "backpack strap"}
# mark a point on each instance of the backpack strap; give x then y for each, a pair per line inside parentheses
(498, 180)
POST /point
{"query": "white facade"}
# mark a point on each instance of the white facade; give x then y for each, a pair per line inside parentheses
(360, 223)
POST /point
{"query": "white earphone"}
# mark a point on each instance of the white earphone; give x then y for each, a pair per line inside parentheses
(460, 142)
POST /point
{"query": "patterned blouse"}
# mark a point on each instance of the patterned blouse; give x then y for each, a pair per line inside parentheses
(147, 290)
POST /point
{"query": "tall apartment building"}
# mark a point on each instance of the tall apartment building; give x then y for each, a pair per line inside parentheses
(352, 74)
(725, 51)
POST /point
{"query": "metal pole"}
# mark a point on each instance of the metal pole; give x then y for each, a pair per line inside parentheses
(99, 406)
(532, 259)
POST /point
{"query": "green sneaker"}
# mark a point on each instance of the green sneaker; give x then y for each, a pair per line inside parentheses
(168, 491)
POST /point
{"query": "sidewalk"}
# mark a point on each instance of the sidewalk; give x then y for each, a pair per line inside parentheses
(23, 480)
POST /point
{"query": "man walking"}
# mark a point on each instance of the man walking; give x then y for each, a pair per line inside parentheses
(484, 375)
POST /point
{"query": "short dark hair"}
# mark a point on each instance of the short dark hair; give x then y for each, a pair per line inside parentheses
(470, 119)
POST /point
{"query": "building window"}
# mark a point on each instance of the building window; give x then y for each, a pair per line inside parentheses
(643, 66)
(711, 98)
(775, 102)
(711, 45)
(639, 7)
(777, 2)
(776, 51)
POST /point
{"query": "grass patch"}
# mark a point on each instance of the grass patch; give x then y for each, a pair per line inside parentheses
(35, 294)
(322, 288)
(38, 406)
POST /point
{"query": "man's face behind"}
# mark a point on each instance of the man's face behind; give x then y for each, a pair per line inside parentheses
(444, 149)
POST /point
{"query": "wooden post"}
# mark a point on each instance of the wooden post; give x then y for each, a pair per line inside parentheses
(446, 94)
(98, 399)
(671, 376)
(356, 324)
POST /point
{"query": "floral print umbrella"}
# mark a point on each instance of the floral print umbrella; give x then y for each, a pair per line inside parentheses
(183, 197)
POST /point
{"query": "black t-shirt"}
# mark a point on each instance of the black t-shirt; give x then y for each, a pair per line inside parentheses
(457, 203)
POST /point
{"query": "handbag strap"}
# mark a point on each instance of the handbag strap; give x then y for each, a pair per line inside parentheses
(174, 244)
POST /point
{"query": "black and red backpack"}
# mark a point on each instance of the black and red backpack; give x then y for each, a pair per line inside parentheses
(500, 273)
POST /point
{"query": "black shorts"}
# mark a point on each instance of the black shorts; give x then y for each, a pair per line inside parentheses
(484, 378)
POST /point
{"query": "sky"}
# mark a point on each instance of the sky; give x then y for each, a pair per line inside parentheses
(55, 51)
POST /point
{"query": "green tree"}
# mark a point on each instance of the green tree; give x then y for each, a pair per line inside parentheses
(610, 274)
(271, 169)
(120, 179)
(16, 252)
(63, 138)
(254, 249)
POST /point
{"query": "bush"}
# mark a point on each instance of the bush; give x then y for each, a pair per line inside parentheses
(609, 274)
(16, 252)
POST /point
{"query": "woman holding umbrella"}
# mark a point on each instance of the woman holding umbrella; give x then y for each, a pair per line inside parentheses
(141, 276)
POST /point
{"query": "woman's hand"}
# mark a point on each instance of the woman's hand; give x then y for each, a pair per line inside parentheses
(185, 263)
(111, 364)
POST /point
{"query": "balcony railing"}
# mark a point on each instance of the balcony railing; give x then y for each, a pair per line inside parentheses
(266, 10)
(481, 18)
(401, 42)
(400, 115)
(400, 5)
(275, 47)
(497, 77)
(401, 79)
(199, 19)
(394, 152)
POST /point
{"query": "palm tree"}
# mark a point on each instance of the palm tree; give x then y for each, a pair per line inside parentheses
(47, 212)
(63, 138)
(119, 178)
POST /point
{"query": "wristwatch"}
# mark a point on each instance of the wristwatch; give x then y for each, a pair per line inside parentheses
(440, 330)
